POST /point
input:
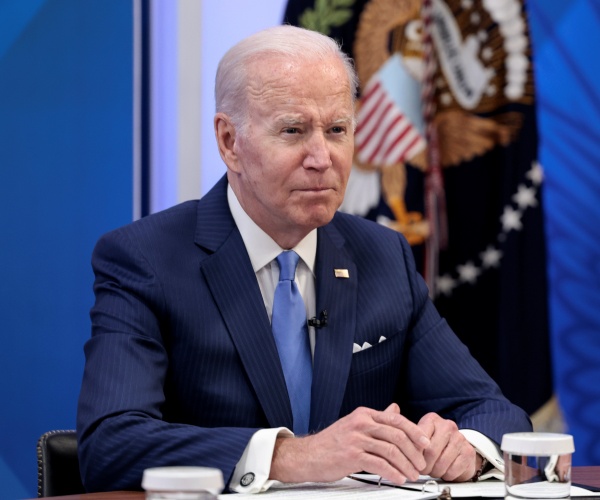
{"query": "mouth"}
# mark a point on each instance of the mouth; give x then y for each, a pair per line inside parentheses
(315, 189)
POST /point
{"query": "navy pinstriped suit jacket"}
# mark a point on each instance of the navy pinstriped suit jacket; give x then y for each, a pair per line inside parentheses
(182, 367)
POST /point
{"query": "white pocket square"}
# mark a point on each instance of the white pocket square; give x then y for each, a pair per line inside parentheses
(357, 348)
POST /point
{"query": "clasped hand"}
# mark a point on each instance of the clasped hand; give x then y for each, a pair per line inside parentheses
(384, 443)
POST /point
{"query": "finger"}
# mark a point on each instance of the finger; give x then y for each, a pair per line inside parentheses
(462, 469)
(390, 430)
(456, 460)
(394, 456)
(396, 446)
(393, 408)
(373, 464)
(427, 424)
(443, 432)
(411, 430)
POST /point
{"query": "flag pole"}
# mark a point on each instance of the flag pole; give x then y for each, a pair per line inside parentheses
(435, 198)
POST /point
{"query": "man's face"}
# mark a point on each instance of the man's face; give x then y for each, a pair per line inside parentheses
(294, 157)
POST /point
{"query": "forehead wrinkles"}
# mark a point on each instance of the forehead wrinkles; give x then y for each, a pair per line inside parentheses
(264, 89)
(291, 80)
(271, 79)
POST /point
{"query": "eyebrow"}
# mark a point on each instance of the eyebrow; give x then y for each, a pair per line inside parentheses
(289, 120)
(298, 120)
(343, 120)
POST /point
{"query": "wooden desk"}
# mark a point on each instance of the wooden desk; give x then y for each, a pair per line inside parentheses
(586, 475)
(582, 475)
(112, 495)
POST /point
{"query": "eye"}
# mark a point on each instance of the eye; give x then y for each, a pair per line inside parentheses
(291, 130)
(338, 130)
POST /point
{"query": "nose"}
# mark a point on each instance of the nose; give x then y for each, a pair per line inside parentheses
(317, 155)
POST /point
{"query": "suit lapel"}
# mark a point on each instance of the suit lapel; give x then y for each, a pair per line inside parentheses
(231, 279)
(333, 347)
(232, 282)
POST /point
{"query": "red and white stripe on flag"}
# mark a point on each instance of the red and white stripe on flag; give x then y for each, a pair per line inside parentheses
(384, 135)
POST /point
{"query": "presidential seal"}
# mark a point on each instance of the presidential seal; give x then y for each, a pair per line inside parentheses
(482, 54)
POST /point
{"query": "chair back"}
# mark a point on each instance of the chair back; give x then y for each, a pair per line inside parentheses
(58, 464)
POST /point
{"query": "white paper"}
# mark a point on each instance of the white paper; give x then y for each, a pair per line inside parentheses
(488, 489)
(345, 488)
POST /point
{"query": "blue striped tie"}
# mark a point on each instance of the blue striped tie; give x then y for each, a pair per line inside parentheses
(291, 336)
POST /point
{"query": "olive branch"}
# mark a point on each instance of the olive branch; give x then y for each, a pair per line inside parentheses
(326, 14)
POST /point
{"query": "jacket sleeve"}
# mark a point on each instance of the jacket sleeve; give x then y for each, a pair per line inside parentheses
(443, 377)
(121, 425)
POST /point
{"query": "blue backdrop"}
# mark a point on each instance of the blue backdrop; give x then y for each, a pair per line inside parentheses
(65, 178)
(566, 38)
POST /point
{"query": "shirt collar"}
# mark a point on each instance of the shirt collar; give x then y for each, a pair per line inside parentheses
(261, 248)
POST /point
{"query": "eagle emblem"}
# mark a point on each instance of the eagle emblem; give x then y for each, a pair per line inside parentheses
(483, 66)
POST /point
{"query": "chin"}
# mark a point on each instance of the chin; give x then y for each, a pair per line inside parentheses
(318, 218)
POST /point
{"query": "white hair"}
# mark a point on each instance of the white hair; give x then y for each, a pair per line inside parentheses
(231, 82)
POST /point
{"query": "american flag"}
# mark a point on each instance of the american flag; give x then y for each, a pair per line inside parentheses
(384, 135)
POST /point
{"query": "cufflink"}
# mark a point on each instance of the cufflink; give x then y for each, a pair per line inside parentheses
(247, 479)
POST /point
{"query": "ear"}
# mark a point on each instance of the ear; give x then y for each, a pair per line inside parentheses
(225, 134)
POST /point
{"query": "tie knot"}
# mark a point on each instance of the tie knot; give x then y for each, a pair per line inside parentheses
(287, 261)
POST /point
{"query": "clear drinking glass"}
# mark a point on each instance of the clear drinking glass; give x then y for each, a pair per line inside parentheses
(537, 464)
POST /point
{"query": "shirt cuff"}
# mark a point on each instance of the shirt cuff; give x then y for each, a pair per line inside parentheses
(488, 449)
(252, 471)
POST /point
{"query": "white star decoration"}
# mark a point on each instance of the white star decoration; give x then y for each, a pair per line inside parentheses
(445, 284)
(468, 272)
(511, 220)
(536, 174)
(525, 197)
(491, 257)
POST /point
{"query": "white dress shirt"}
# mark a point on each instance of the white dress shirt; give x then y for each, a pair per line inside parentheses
(263, 251)
(255, 464)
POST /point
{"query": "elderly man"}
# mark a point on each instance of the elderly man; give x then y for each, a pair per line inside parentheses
(201, 352)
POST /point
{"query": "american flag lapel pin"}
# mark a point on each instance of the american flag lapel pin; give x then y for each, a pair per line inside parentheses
(341, 273)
